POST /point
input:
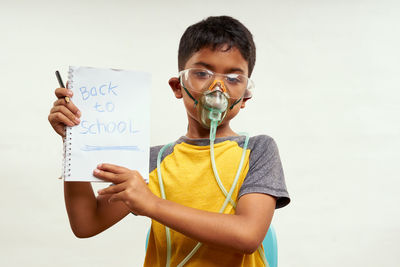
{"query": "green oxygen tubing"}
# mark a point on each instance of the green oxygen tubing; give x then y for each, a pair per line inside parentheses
(228, 195)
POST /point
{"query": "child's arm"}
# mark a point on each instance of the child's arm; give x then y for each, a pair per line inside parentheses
(242, 231)
(87, 214)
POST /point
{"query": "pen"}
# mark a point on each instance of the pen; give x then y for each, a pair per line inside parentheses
(60, 82)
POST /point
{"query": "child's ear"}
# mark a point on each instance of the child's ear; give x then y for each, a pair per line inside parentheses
(176, 87)
(244, 102)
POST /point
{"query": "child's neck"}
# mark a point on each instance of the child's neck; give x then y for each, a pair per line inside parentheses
(196, 131)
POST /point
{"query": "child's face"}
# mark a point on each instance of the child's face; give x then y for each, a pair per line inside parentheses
(218, 61)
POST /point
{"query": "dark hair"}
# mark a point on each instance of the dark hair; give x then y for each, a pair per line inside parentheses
(215, 32)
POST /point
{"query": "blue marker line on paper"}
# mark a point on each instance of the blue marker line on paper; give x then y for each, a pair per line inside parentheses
(111, 127)
(97, 148)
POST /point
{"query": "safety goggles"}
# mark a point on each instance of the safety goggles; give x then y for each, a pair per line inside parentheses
(199, 80)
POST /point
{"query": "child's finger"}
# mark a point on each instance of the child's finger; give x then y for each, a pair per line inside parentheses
(66, 112)
(117, 197)
(70, 106)
(58, 117)
(63, 92)
(60, 130)
(112, 168)
(114, 189)
(108, 176)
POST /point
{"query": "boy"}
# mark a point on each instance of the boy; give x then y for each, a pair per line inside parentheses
(195, 173)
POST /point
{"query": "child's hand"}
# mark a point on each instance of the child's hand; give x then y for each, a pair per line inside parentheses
(129, 187)
(63, 114)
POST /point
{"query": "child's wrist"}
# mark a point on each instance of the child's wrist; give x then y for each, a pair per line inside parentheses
(153, 206)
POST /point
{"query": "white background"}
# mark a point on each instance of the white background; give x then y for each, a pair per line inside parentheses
(327, 78)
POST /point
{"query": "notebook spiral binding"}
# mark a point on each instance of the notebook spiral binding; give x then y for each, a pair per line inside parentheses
(68, 135)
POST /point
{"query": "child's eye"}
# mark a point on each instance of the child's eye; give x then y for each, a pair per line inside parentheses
(201, 74)
(234, 79)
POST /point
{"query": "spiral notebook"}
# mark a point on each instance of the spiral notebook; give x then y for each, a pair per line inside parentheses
(114, 125)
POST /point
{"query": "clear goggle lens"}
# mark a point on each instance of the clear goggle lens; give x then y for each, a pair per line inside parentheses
(199, 80)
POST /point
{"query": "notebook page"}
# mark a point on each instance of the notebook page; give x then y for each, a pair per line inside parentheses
(115, 121)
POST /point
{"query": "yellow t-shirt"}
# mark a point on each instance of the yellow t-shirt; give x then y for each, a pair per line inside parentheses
(189, 180)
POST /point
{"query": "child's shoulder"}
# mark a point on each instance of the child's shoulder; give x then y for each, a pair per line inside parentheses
(256, 142)
(262, 142)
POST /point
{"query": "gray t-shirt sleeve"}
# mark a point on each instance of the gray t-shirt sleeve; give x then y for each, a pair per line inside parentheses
(153, 157)
(154, 150)
(265, 173)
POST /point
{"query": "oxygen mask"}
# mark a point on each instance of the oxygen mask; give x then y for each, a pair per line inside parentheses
(214, 97)
(213, 104)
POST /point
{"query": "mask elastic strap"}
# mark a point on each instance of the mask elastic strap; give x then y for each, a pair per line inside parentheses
(236, 102)
(186, 90)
